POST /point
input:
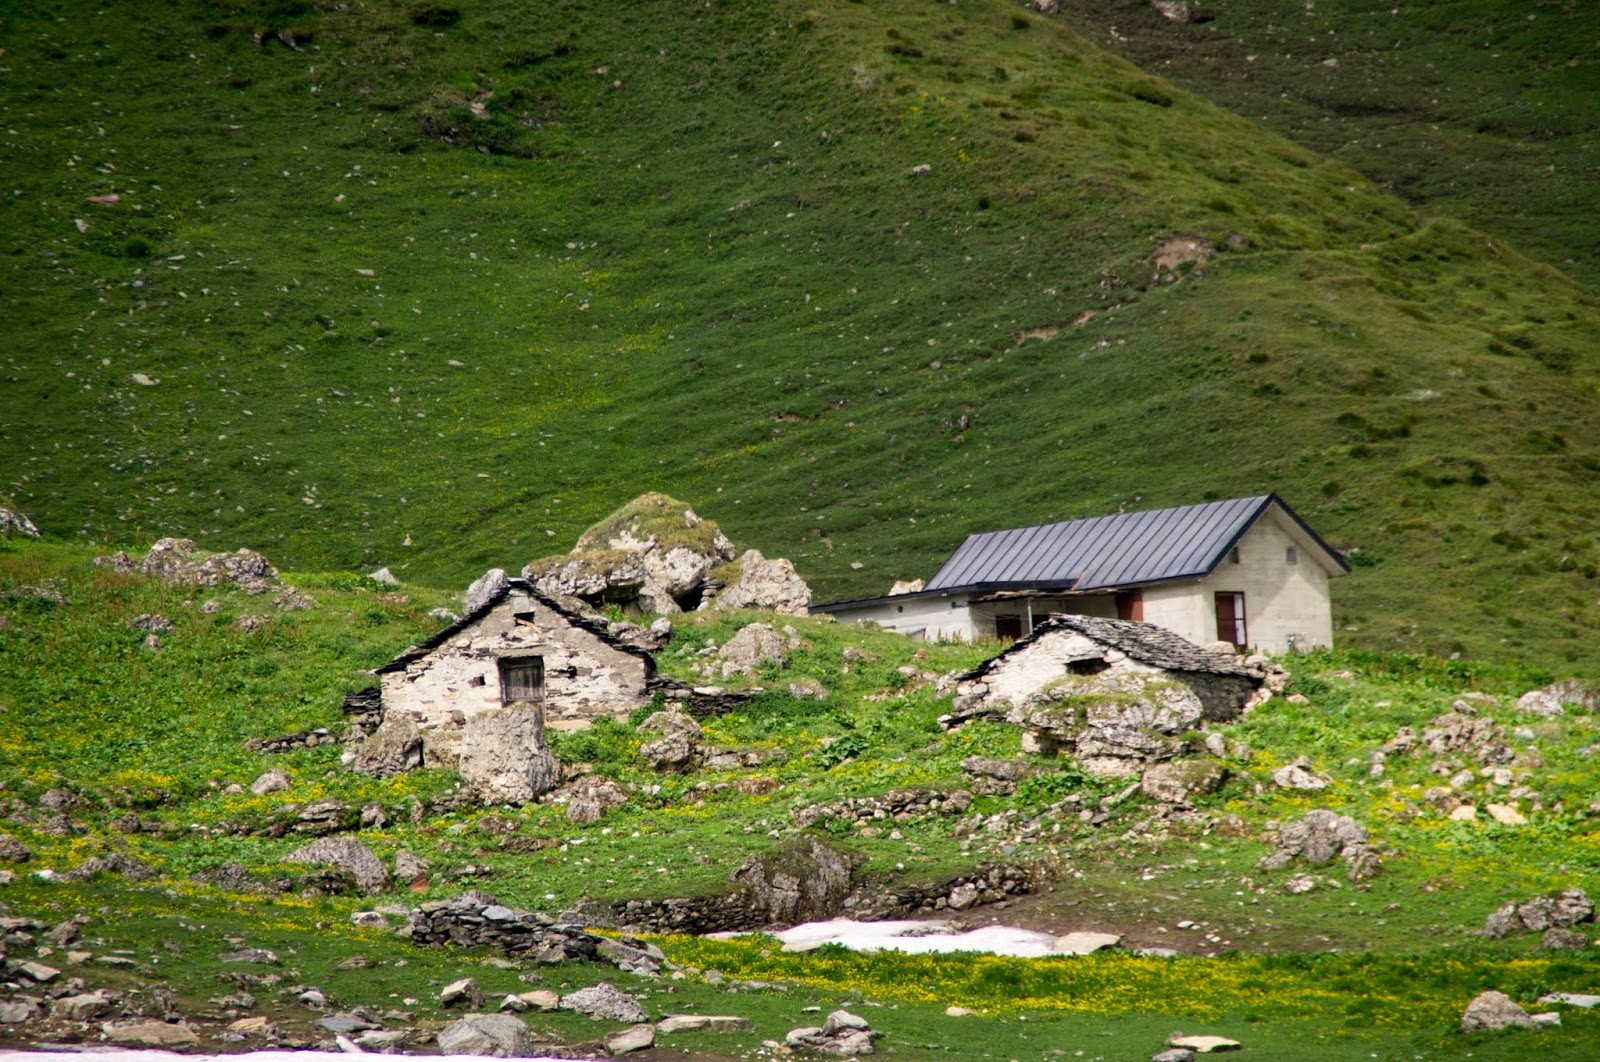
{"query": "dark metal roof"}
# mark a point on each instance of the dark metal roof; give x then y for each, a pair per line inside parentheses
(1144, 642)
(1107, 552)
(593, 624)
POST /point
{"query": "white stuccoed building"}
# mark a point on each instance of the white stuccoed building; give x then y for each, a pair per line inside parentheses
(1247, 571)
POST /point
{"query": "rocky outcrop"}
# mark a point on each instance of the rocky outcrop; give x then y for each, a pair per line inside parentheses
(1549, 701)
(348, 855)
(1300, 775)
(801, 879)
(503, 757)
(992, 777)
(1321, 837)
(15, 524)
(179, 560)
(606, 1001)
(770, 585)
(1562, 910)
(657, 555)
(681, 744)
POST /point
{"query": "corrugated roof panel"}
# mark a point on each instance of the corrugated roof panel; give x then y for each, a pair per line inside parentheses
(1124, 549)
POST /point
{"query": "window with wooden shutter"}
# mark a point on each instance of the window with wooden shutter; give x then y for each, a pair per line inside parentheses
(522, 679)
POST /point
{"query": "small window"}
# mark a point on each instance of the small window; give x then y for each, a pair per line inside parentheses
(522, 679)
(478, 680)
(1292, 555)
(1233, 555)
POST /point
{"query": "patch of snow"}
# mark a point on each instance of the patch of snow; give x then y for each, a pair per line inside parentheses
(937, 937)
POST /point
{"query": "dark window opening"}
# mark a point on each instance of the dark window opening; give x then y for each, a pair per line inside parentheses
(478, 680)
(1008, 628)
(1233, 554)
(1092, 666)
(522, 679)
(1130, 606)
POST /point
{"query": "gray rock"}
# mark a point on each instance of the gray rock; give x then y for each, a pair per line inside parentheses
(1180, 781)
(273, 781)
(634, 1038)
(344, 1023)
(801, 879)
(408, 866)
(1564, 909)
(17, 1011)
(259, 956)
(394, 748)
(504, 759)
(1539, 702)
(1494, 1010)
(84, 1007)
(842, 1034)
(463, 991)
(1299, 775)
(152, 623)
(484, 589)
(770, 585)
(1321, 837)
(604, 1000)
(151, 1033)
(1002, 770)
(494, 1035)
(36, 971)
(14, 524)
(1558, 939)
(679, 748)
(677, 1023)
(179, 560)
(13, 850)
(347, 854)
(1173, 1054)
(755, 643)
(384, 576)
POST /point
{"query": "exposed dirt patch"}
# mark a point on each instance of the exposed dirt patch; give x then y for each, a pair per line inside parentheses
(1174, 251)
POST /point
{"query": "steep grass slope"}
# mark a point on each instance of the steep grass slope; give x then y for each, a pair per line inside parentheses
(435, 288)
(1475, 108)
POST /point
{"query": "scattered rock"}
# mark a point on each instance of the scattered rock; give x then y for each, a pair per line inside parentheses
(1506, 815)
(1299, 775)
(494, 1035)
(180, 561)
(1204, 1045)
(677, 1023)
(148, 621)
(1559, 939)
(17, 1011)
(344, 1023)
(85, 1007)
(633, 1038)
(1180, 781)
(1319, 838)
(384, 576)
(1572, 999)
(14, 523)
(1173, 1054)
(504, 758)
(842, 1034)
(755, 643)
(13, 850)
(463, 991)
(394, 748)
(36, 972)
(907, 586)
(1567, 908)
(273, 781)
(1494, 1010)
(679, 748)
(604, 1000)
(770, 585)
(348, 855)
(151, 1033)
(258, 956)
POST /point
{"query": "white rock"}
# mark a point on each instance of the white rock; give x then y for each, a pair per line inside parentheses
(1505, 814)
(1205, 1044)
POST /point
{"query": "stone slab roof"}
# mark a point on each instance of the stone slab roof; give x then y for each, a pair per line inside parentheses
(1144, 642)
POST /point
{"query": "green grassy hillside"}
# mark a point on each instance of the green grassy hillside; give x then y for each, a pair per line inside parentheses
(1475, 108)
(433, 288)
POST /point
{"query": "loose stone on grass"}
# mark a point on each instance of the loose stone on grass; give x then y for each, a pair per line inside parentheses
(493, 1035)
(679, 1023)
(634, 1038)
(604, 1000)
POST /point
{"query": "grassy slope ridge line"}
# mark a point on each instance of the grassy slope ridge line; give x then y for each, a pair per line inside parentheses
(1474, 108)
(437, 293)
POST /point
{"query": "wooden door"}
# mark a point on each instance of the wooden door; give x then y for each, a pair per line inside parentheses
(1008, 628)
(1230, 618)
(1130, 606)
(522, 679)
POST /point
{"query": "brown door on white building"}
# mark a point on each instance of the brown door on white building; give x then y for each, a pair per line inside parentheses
(522, 679)
(1130, 605)
(1230, 618)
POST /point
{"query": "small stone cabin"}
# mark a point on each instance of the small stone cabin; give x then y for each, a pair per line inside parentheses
(520, 645)
(1091, 646)
(1248, 571)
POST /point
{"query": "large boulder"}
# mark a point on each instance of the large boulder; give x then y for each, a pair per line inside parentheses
(346, 854)
(1494, 1010)
(604, 1000)
(504, 758)
(681, 744)
(754, 644)
(1180, 781)
(179, 560)
(492, 1035)
(801, 879)
(771, 585)
(1561, 910)
(484, 588)
(1321, 837)
(394, 748)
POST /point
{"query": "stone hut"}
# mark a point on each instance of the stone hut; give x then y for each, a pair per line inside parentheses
(1117, 694)
(519, 645)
